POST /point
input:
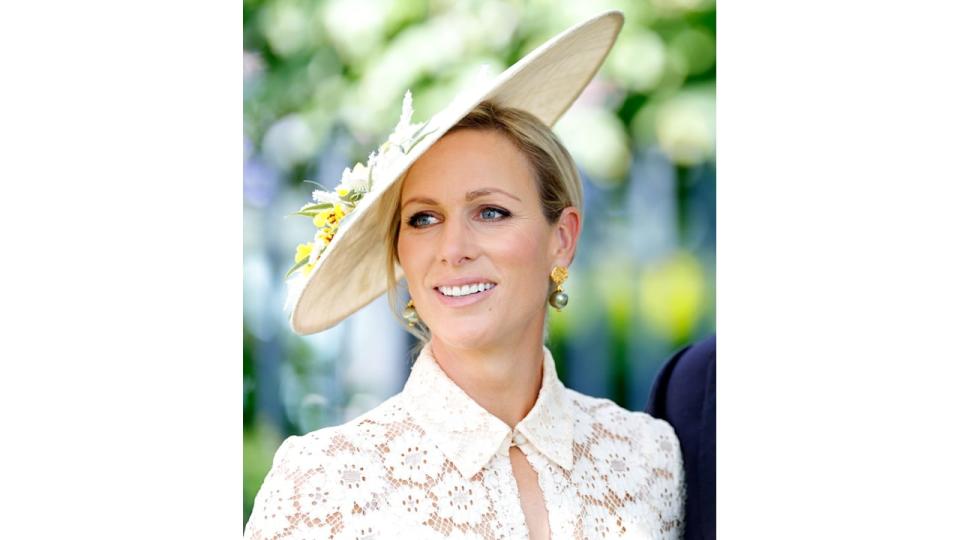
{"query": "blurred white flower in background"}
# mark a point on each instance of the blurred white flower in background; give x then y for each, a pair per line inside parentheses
(685, 126)
(416, 51)
(679, 7)
(355, 27)
(638, 60)
(289, 142)
(286, 25)
(493, 24)
(597, 141)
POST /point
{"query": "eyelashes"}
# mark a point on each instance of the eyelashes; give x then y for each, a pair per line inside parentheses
(416, 222)
(487, 213)
(503, 213)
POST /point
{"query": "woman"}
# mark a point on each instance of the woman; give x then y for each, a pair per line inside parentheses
(479, 210)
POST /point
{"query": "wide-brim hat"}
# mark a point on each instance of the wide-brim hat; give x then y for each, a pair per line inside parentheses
(345, 268)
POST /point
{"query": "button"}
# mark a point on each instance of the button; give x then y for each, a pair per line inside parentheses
(519, 439)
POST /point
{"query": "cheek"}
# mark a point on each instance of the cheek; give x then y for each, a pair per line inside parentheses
(522, 257)
(415, 255)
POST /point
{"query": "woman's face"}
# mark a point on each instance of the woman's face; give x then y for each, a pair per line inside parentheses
(474, 244)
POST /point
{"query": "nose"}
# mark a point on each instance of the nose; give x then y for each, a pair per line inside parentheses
(457, 245)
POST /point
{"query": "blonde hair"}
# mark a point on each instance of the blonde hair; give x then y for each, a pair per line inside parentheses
(558, 182)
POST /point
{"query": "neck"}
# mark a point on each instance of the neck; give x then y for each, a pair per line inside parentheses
(505, 380)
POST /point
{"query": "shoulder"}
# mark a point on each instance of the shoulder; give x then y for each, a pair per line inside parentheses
(637, 456)
(320, 477)
(594, 413)
(601, 423)
(329, 451)
(361, 433)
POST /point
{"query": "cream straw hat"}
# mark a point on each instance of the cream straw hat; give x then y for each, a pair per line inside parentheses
(344, 267)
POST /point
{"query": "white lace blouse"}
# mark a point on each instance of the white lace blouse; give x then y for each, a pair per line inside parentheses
(431, 463)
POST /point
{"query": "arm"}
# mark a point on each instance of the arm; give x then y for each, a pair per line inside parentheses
(673, 502)
(273, 509)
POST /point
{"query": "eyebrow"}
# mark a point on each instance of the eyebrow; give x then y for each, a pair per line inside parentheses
(469, 197)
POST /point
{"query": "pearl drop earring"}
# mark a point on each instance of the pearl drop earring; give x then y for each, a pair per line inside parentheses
(558, 298)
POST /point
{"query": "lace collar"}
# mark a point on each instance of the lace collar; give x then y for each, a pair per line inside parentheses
(469, 436)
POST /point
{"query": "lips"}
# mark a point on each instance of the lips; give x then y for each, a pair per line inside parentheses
(464, 290)
(466, 299)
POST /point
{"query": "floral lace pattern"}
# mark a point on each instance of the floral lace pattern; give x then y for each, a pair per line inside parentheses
(432, 463)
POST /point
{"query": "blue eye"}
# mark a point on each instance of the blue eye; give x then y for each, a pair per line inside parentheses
(487, 213)
(490, 213)
(419, 220)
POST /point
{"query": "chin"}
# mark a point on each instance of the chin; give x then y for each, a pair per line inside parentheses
(465, 336)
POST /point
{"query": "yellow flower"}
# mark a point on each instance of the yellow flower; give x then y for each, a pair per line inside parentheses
(307, 268)
(325, 235)
(330, 216)
(338, 211)
(303, 251)
(320, 220)
(342, 192)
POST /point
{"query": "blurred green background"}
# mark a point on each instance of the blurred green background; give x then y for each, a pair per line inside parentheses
(322, 85)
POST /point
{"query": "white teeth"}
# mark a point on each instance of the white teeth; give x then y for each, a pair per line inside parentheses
(465, 289)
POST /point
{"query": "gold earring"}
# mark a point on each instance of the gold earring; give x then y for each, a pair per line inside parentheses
(558, 298)
(410, 314)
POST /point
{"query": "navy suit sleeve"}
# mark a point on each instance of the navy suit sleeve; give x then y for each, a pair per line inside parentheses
(684, 394)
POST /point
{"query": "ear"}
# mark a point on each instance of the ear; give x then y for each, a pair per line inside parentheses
(566, 233)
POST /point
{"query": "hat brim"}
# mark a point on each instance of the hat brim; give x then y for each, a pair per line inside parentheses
(351, 272)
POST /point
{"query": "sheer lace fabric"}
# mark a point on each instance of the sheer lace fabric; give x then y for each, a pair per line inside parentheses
(430, 463)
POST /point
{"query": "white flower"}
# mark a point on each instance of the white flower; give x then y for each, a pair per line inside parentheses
(321, 196)
(392, 152)
(411, 503)
(362, 179)
(363, 527)
(404, 130)
(354, 180)
(617, 467)
(635, 514)
(315, 496)
(385, 162)
(595, 523)
(275, 502)
(354, 480)
(466, 534)
(587, 479)
(413, 458)
(461, 500)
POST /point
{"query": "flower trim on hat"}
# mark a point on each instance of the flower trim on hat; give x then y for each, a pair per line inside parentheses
(328, 208)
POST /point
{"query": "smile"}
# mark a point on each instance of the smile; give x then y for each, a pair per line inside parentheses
(464, 290)
(465, 294)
